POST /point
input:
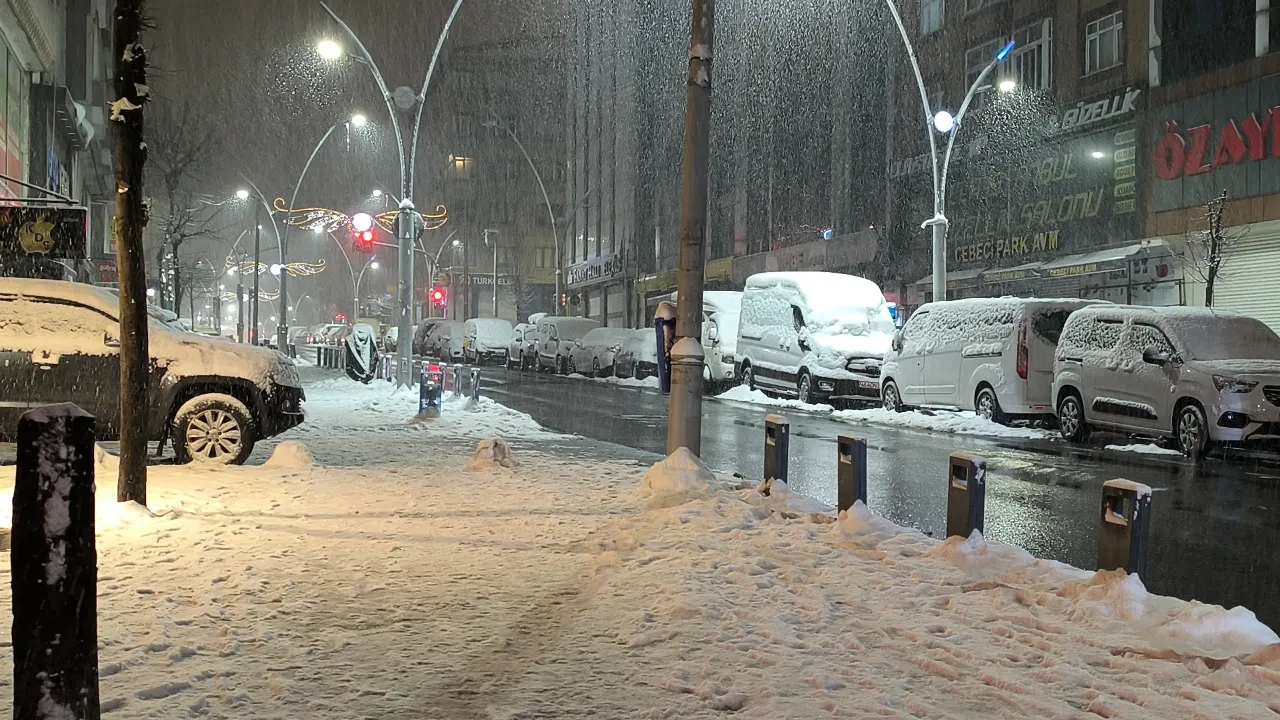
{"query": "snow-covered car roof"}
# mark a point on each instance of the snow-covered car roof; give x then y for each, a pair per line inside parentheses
(604, 336)
(1007, 302)
(88, 295)
(569, 325)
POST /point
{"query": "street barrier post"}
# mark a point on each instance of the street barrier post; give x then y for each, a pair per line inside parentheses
(54, 566)
(664, 327)
(457, 380)
(475, 384)
(851, 472)
(966, 494)
(1124, 527)
(319, 356)
(777, 444)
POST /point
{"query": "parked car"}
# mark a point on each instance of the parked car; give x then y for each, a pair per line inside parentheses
(817, 336)
(1196, 376)
(420, 335)
(333, 334)
(298, 335)
(993, 356)
(638, 357)
(444, 342)
(485, 339)
(520, 350)
(554, 337)
(59, 342)
(594, 353)
(391, 337)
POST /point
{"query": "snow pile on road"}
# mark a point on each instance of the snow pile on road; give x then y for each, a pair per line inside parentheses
(1145, 449)
(741, 393)
(677, 478)
(290, 454)
(649, 382)
(962, 423)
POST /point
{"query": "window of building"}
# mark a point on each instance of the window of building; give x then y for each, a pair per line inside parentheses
(931, 16)
(977, 59)
(1032, 56)
(545, 258)
(976, 5)
(1103, 43)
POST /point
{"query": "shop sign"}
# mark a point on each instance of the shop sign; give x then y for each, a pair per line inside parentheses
(56, 232)
(1074, 270)
(999, 276)
(1228, 139)
(486, 280)
(1118, 105)
(1023, 245)
(108, 272)
(595, 269)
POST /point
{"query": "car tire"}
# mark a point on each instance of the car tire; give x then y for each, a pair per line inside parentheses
(1191, 431)
(890, 398)
(748, 377)
(216, 429)
(1071, 419)
(987, 405)
(804, 388)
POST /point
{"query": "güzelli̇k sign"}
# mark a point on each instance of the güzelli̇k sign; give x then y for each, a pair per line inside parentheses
(1202, 149)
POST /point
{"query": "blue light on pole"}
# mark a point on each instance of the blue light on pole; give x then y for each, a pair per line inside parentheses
(1004, 51)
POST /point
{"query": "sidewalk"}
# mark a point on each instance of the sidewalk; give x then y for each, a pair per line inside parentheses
(385, 580)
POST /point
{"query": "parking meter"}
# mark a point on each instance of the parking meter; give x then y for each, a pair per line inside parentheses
(664, 326)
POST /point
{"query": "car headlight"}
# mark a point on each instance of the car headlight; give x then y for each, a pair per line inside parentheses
(1233, 385)
(727, 359)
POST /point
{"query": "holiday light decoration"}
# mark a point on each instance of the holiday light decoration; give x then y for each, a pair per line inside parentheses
(329, 220)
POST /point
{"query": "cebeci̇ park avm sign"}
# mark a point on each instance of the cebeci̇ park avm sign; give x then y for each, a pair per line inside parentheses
(43, 231)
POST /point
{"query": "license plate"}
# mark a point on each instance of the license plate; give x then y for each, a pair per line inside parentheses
(868, 385)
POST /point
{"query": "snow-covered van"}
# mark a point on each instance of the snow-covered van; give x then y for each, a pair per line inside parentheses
(485, 339)
(990, 355)
(720, 312)
(59, 342)
(554, 337)
(1197, 376)
(813, 335)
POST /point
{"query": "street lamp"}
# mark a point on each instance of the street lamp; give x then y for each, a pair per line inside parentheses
(377, 192)
(371, 263)
(329, 50)
(1008, 86)
(242, 194)
(555, 235)
(358, 120)
(945, 124)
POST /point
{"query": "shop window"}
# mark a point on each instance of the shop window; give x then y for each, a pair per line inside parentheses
(1103, 43)
(977, 59)
(1032, 56)
(931, 16)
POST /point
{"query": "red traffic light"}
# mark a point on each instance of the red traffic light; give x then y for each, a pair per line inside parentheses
(363, 240)
(438, 296)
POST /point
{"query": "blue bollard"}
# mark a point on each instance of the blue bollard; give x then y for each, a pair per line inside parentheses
(664, 328)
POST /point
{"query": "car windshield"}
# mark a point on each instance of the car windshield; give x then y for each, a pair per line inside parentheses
(1231, 338)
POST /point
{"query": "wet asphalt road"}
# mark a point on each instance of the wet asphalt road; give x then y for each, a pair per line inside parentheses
(1215, 528)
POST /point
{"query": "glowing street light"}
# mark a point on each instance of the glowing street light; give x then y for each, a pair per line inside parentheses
(362, 222)
(1008, 86)
(944, 122)
(374, 265)
(242, 194)
(359, 120)
(1098, 154)
(329, 50)
(377, 192)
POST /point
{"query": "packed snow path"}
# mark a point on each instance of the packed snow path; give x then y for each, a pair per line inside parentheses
(387, 581)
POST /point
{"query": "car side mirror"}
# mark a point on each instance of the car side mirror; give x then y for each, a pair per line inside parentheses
(110, 340)
(1153, 356)
(897, 342)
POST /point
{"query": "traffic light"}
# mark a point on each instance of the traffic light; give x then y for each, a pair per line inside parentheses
(363, 233)
(438, 296)
(364, 241)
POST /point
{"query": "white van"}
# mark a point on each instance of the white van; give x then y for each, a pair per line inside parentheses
(720, 312)
(813, 335)
(554, 336)
(485, 339)
(990, 355)
(1198, 376)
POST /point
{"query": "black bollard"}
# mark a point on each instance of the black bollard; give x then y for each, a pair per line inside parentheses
(475, 384)
(320, 357)
(457, 380)
(851, 473)
(1124, 527)
(966, 494)
(777, 445)
(54, 566)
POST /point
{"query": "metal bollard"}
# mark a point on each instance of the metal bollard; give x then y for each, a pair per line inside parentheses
(851, 472)
(966, 494)
(475, 384)
(457, 380)
(319, 356)
(1124, 527)
(777, 445)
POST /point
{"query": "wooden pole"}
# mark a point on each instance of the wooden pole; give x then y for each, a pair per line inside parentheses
(131, 218)
(54, 567)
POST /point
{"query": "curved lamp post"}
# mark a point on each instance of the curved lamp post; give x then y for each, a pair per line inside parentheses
(942, 122)
(555, 235)
(408, 221)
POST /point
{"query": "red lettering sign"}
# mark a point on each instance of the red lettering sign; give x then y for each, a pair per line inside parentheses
(1205, 148)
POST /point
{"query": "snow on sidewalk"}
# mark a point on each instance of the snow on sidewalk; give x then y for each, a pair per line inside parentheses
(943, 421)
(383, 579)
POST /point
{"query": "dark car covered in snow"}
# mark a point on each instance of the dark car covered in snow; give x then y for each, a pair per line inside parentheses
(59, 342)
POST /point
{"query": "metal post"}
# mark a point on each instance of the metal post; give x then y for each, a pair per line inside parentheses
(55, 567)
(684, 423)
(475, 384)
(777, 446)
(966, 494)
(257, 263)
(457, 380)
(1124, 527)
(405, 223)
(240, 306)
(939, 225)
(851, 472)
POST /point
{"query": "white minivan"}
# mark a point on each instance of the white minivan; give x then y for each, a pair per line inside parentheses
(554, 336)
(813, 335)
(993, 356)
(1197, 376)
(720, 312)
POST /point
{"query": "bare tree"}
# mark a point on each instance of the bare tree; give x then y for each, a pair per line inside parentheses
(182, 147)
(1207, 251)
(131, 217)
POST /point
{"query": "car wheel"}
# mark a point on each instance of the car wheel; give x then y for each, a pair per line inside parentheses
(1071, 420)
(890, 398)
(215, 428)
(987, 405)
(804, 389)
(748, 378)
(1192, 432)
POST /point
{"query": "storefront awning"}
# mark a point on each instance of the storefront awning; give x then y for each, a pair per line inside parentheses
(1027, 271)
(1102, 261)
(959, 278)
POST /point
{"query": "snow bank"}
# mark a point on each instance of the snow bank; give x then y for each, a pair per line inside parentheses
(678, 478)
(741, 393)
(961, 423)
(290, 454)
(491, 454)
(649, 382)
(1145, 449)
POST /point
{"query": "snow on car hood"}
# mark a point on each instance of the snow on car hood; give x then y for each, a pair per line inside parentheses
(1270, 368)
(191, 354)
(833, 350)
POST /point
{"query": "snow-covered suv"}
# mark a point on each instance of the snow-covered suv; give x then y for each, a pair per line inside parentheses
(1195, 375)
(59, 342)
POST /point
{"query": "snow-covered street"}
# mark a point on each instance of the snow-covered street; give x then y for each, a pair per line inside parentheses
(385, 579)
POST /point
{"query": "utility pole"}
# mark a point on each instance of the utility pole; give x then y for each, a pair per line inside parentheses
(131, 218)
(257, 265)
(487, 233)
(684, 422)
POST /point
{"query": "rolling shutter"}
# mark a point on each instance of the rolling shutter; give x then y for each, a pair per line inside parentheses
(1250, 279)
